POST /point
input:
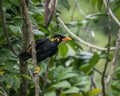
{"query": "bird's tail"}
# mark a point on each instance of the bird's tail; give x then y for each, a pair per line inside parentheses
(24, 56)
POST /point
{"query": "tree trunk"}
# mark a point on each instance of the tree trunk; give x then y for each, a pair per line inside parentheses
(23, 64)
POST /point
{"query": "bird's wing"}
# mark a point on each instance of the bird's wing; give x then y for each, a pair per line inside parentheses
(37, 44)
(40, 42)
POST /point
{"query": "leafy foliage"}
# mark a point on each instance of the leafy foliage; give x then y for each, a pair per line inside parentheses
(70, 69)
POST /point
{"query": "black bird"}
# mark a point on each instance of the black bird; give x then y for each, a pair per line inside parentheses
(44, 47)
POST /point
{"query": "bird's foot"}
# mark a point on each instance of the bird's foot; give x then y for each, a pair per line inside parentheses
(37, 70)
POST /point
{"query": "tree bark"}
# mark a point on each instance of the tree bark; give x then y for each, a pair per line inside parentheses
(23, 64)
(28, 38)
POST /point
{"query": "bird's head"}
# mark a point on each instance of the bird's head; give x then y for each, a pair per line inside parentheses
(59, 38)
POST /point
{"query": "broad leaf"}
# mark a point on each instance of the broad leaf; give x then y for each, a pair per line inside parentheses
(72, 90)
(64, 3)
(86, 68)
(62, 84)
(27, 76)
(63, 49)
(94, 92)
(51, 93)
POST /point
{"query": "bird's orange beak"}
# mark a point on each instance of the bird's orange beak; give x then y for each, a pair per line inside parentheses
(66, 39)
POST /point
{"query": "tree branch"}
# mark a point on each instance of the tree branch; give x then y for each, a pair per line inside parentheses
(3, 92)
(34, 80)
(108, 51)
(80, 40)
(5, 29)
(31, 39)
(94, 69)
(80, 10)
(45, 77)
(112, 14)
(93, 83)
(23, 64)
(114, 60)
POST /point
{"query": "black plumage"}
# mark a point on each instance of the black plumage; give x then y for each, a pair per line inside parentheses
(44, 47)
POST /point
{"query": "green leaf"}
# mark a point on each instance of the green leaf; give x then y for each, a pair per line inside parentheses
(62, 84)
(94, 92)
(35, 2)
(99, 4)
(82, 83)
(51, 93)
(7, 4)
(77, 94)
(9, 81)
(51, 62)
(17, 21)
(63, 49)
(10, 64)
(72, 90)
(93, 2)
(15, 2)
(16, 83)
(74, 45)
(27, 77)
(38, 32)
(67, 75)
(63, 72)
(35, 10)
(14, 28)
(84, 57)
(93, 61)
(57, 71)
(95, 16)
(34, 22)
(64, 3)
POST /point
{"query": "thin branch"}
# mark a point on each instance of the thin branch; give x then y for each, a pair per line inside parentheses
(111, 13)
(45, 77)
(73, 11)
(105, 67)
(114, 60)
(80, 40)
(34, 80)
(93, 83)
(3, 92)
(80, 10)
(5, 30)
(108, 52)
(94, 69)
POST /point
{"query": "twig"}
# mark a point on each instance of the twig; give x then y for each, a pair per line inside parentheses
(3, 92)
(112, 14)
(80, 40)
(110, 76)
(93, 84)
(33, 78)
(102, 73)
(80, 10)
(5, 29)
(45, 78)
(108, 52)
(73, 11)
